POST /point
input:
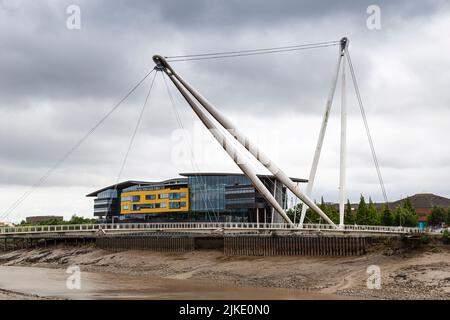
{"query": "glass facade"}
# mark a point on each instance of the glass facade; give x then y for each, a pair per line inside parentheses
(107, 194)
(198, 197)
(106, 203)
(207, 192)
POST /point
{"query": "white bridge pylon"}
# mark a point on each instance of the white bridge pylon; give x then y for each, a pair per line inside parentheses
(205, 114)
(342, 176)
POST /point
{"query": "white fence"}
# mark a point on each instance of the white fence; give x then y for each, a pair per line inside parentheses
(198, 226)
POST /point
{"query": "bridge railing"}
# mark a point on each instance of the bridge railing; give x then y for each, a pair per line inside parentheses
(197, 226)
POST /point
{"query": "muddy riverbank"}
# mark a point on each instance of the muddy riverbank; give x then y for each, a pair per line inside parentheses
(413, 274)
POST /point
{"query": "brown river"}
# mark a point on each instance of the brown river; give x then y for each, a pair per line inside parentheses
(52, 283)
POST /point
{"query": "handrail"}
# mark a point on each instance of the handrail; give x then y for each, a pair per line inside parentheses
(200, 226)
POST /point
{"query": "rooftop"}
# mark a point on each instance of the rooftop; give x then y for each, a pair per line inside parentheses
(129, 183)
(424, 200)
(190, 174)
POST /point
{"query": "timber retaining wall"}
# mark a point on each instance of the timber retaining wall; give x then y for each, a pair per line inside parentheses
(295, 245)
(152, 243)
(231, 245)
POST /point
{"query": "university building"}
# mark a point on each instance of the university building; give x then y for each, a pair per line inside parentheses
(192, 197)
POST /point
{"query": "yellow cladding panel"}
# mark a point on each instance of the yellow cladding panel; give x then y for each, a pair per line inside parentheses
(154, 201)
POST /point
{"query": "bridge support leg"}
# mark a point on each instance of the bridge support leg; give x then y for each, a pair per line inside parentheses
(323, 128)
(343, 151)
(209, 110)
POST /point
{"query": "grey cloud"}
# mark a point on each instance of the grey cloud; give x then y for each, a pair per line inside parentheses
(57, 83)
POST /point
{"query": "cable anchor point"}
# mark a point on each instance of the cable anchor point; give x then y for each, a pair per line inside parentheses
(344, 44)
(162, 65)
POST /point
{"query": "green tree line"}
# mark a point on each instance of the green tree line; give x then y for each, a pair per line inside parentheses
(366, 213)
(52, 222)
(439, 216)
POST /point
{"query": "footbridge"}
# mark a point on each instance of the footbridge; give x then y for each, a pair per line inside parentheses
(245, 154)
(199, 228)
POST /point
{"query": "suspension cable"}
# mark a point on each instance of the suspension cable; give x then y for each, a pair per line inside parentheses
(133, 136)
(366, 125)
(58, 163)
(230, 54)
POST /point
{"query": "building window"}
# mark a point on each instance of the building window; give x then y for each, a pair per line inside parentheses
(131, 198)
(177, 195)
(150, 197)
(110, 193)
(125, 207)
(102, 202)
(163, 196)
(177, 205)
(174, 205)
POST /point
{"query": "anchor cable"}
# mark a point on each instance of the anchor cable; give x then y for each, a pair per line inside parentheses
(231, 54)
(133, 136)
(366, 125)
(58, 163)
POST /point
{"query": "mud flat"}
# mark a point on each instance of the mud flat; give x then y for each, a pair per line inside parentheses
(413, 274)
(13, 295)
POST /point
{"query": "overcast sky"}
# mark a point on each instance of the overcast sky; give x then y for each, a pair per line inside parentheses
(56, 83)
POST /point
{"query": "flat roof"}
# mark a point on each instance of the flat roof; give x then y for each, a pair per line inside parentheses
(129, 183)
(190, 174)
(120, 185)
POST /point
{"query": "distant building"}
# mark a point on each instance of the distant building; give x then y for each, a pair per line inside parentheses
(192, 197)
(35, 219)
(423, 203)
(5, 224)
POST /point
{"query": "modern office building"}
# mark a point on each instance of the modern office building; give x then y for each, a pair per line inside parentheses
(192, 197)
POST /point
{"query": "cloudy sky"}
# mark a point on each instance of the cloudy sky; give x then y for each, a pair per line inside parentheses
(56, 83)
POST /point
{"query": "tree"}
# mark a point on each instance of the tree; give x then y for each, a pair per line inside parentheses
(372, 214)
(311, 216)
(446, 237)
(408, 206)
(291, 212)
(404, 217)
(387, 218)
(361, 212)
(437, 216)
(80, 220)
(407, 215)
(399, 216)
(330, 211)
(412, 219)
(349, 214)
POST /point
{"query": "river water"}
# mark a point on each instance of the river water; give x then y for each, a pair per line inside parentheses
(48, 282)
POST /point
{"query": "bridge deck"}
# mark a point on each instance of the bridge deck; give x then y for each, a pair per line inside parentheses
(198, 227)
